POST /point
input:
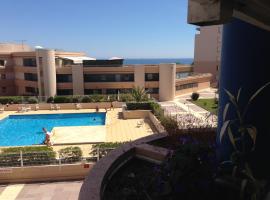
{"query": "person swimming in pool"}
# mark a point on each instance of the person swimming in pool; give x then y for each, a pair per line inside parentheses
(48, 135)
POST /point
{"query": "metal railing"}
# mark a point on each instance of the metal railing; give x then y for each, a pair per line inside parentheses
(23, 159)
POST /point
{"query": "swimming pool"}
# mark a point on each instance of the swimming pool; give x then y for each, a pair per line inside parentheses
(20, 130)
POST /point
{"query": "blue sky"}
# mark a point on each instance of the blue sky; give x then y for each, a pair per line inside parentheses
(101, 28)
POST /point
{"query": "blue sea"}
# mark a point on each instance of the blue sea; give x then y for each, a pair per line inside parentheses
(158, 61)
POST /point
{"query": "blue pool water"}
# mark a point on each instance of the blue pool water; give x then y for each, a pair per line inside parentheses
(20, 130)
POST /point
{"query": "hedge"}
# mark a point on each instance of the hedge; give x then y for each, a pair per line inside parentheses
(139, 105)
(70, 154)
(10, 100)
(102, 149)
(31, 156)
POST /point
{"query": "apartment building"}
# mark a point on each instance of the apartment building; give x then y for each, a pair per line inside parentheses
(46, 72)
(207, 51)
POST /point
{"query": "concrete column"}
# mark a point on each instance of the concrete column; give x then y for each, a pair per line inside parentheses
(245, 64)
(139, 76)
(49, 71)
(167, 73)
(77, 80)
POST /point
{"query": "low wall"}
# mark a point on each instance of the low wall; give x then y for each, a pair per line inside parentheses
(66, 106)
(156, 123)
(135, 114)
(44, 173)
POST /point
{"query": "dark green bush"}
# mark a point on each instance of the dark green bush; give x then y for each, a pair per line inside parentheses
(75, 99)
(86, 99)
(62, 99)
(70, 154)
(50, 100)
(195, 96)
(139, 106)
(11, 100)
(31, 156)
(32, 100)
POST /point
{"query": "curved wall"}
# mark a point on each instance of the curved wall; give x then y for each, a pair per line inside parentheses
(47, 64)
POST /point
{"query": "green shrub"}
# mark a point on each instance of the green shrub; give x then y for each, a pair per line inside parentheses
(102, 149)
(75, 99)
(11, 100)
(31, 156)
(170, 124)
(86, 99)
(50, 100)
(139, 106)
(195, 96)
(70, 154)
(126, 97)
(32, 100)
(97, 98)
(112, 97)
(61, 99)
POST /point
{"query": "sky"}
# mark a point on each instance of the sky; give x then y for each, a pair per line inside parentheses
(101, 28)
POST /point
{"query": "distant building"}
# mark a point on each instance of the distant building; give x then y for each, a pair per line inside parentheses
(46, 72)
(207, 53)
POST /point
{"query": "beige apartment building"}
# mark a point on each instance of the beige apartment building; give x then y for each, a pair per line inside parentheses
(46, 72)
(207, 51)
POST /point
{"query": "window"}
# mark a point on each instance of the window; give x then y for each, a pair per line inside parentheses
(29, 62)
(92, 91)
(152, 90)
(180, 75)
(4, 89)
(31, 90)
(2, 62)
(125, 91)
(64, 78)
(64, 92)
(108, 77)
(152, 77)
(186, 86)
(2, 76)
(30, 77)
(112, 91)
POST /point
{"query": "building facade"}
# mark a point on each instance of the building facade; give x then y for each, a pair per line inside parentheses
(45, 72)
(207, 51)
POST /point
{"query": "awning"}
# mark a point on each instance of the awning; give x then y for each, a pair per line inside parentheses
(78, 59)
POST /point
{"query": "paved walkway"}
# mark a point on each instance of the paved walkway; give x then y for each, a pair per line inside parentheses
(68, 190)
(184, 110)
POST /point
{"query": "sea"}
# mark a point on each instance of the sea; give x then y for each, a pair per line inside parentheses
(146, 61)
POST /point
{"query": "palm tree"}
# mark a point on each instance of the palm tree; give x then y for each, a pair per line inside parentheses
(138, 94)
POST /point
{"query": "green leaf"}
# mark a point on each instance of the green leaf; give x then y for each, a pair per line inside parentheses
(223, 129)
(258, 91)
(243, 186)
(238, 95)
(252, 131)
(253, 97)
(225, 111)
(232, 99)
(231, 138)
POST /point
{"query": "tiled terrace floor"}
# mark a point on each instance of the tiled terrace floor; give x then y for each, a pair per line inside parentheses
(41, 191)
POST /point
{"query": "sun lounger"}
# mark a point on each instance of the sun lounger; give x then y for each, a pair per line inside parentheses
(57, 107)
(2, 109)
(51, 106)
(36, 107)
(28, 108)
(78, 106)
